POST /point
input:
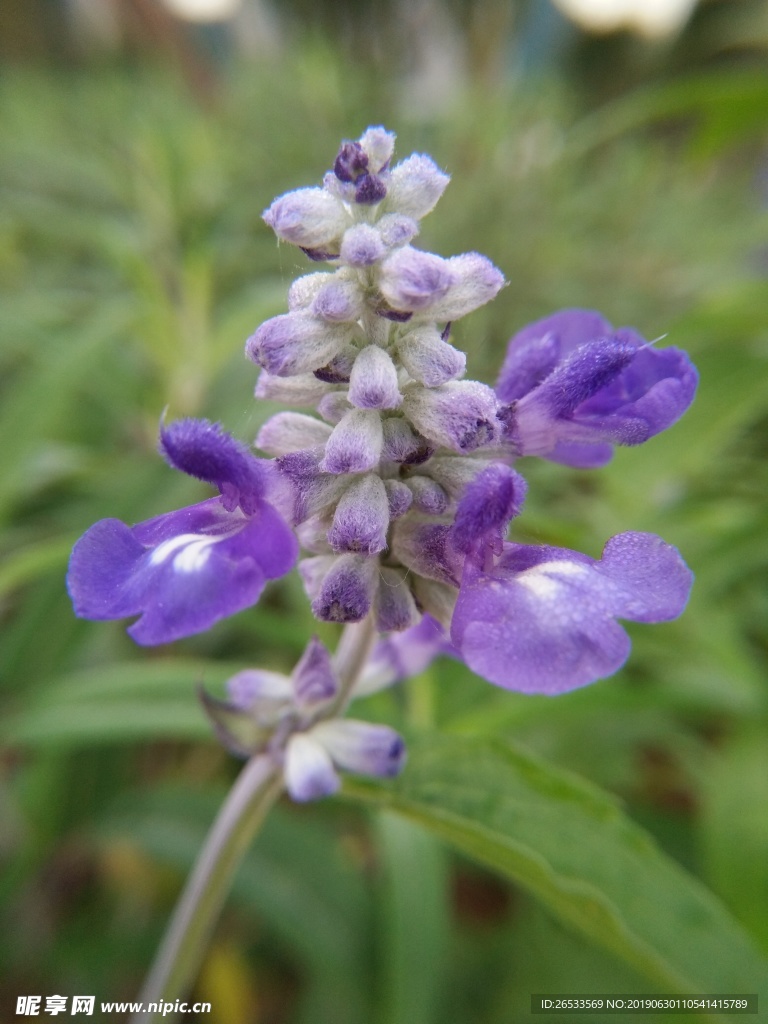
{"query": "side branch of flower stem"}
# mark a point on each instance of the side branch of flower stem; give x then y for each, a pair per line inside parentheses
(256, 789)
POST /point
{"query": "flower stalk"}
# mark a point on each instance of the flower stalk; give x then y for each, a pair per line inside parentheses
(178, 959)
(240, 818)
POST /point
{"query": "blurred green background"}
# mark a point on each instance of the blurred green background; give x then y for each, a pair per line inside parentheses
(618, 171)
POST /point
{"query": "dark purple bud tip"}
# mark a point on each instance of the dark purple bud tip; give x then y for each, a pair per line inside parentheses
(370, 189)
(396, 315)
(206, 451)
(319, 255)
(351, 162)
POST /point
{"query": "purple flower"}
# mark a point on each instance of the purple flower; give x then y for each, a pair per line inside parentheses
(543, 619)
(400, 655)
(311, 758)
(574, 386)
(183, 571)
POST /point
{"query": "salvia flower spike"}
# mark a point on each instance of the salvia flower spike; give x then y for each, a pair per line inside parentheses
(397, 480)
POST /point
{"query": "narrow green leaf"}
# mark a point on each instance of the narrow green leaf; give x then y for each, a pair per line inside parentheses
(571, 846)
(414, 907)
(120, 702)
(734, 824)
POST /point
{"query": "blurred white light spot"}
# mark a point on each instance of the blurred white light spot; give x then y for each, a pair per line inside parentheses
(204, 10)
(653, 18)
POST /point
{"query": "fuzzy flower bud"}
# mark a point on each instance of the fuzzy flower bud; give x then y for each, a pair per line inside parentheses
(361, 518)
(415, 186)
(355, 444)
(428, 358)
(308, 217)
(287, 432)
(413, 280)
(294, 343)
(362, 246)
(460, 415)
(373, 381)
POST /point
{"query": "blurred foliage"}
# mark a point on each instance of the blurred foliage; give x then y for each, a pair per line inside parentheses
(133, 263)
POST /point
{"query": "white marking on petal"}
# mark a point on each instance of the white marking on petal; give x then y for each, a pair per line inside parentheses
(546, 579)
(194, 553)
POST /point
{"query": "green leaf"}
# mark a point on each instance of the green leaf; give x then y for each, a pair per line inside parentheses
(414, 906)
(120, 702)
(734, 825)
(572, 847)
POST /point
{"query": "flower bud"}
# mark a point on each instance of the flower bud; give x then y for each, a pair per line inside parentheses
(413, 280)
(460, 414)
(334, 406)
(309, 217)
(428, 358)
(402, 443)
(355, 444)
(362, 246)
(415, 185)
(309, 771)
(304, 289)
(338, 302)
(361, 747)
(454, 472)
(302, 390)
(346, 593)
(246, 688)
(475, 281)
(399, 497)
(293, 343)
(373, 380)
(362, 517)
(314, 678)
(379, 145)
(428, 496)
(395, 606)
(396, 230)
(288, 432)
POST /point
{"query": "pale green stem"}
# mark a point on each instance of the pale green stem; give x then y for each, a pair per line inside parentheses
(244, 810)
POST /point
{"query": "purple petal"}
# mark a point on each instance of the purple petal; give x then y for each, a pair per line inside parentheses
(533, 352)
(584, 373)
(403, 655)
(314, 678)
(361, 747)
(572, 381)
(309, 771)
(488, 505)
(528, 362)
(543, 619)
(206, 451)
(246, 688)
(182, 571)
